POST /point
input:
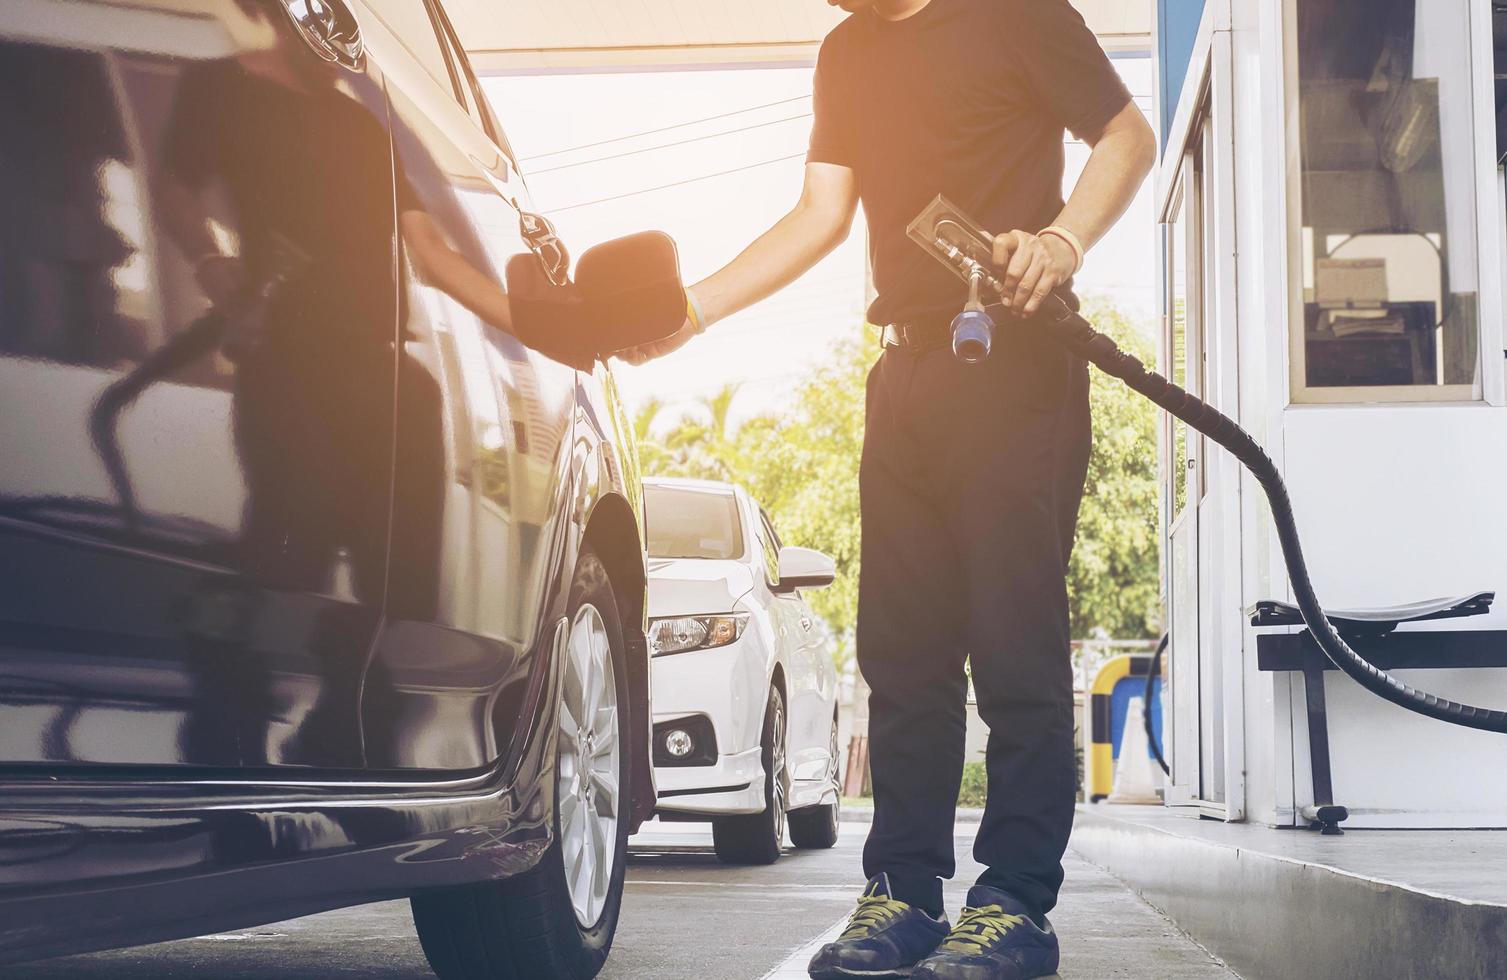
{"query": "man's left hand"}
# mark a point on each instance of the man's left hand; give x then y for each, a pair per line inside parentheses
(644, 353)
(1033, 265)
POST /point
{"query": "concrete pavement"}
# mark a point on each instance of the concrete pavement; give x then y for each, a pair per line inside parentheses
(686, 918)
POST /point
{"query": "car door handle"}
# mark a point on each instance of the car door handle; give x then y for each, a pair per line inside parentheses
(539, 232)
(329, 28)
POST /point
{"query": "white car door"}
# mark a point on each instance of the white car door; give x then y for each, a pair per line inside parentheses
(815, 655)
(809, 706)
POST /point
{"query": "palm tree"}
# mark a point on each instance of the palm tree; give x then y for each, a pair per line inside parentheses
(644, 418)
(719, 406)
(705, 449)
(652, 455)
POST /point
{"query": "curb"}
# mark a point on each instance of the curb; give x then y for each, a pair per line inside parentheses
(865, 813)
(1267, 912)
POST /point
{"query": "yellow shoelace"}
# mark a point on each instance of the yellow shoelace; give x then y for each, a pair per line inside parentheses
(979, 928)
(873, 911)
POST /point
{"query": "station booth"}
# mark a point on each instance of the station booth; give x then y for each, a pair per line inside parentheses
(1333, 253)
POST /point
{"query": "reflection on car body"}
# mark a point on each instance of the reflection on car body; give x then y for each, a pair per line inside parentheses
(289, 514)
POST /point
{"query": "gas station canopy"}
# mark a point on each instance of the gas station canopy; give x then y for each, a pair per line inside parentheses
(537, 36)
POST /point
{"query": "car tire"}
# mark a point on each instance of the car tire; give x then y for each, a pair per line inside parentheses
(815, 827)
(757, 838)
(536, 925)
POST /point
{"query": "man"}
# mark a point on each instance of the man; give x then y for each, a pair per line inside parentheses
(971, 474)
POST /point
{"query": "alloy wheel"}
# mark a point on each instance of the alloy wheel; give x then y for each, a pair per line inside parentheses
(590, 763)
(832, 756)
(777, 800)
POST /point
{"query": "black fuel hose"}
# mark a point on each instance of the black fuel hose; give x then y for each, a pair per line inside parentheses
(1153, 671)
(1078, 335)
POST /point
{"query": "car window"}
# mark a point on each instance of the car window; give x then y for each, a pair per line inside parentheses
(458, 67)
(476, 97)
(688, 523)
(771, 543)
(774, 536)
(410, 22)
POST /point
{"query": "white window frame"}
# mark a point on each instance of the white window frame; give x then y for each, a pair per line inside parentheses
(1487, 383)
(1208, 84)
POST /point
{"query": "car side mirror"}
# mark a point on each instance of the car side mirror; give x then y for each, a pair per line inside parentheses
(626, 292)
(804, 568)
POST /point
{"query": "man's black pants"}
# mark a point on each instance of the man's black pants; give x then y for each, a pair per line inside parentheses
(970, 485)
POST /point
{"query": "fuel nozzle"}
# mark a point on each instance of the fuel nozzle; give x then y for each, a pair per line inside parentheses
(953, 239)
(973, 329)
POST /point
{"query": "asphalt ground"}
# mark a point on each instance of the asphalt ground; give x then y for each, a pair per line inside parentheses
(686, 917)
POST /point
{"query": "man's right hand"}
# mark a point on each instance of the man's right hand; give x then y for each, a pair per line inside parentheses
(648, 352)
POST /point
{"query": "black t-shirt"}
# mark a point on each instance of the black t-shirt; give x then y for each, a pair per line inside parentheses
(967, 98)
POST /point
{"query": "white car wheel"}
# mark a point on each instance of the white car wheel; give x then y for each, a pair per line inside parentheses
(757, 838)
(815, 827)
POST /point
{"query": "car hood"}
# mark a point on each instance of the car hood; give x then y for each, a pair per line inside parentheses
(696, 586)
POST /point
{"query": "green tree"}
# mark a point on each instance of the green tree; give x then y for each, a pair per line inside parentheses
(652, 456)
(1113, 578)
(700, 445)
(803, 467)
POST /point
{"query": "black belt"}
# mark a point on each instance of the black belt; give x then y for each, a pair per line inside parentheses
(923, 335)
(926, 334)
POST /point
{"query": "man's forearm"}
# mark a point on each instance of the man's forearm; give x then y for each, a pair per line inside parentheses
(774, 260)
(818, 223)
(777, 258)
(1118, 164)
(1034, 264)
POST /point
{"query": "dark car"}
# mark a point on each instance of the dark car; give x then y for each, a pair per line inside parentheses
(321, 552)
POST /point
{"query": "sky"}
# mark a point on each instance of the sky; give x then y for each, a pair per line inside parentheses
(731, 142)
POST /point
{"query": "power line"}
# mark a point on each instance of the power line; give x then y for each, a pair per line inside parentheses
(1142, 101)
(688, 180)
(664, 129)
(666, 146)
(677, 183)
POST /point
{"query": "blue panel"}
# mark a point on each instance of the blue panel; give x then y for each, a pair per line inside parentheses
(1176, 30)
(1119, 704)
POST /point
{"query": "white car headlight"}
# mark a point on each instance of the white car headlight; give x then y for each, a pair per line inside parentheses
(685, 633)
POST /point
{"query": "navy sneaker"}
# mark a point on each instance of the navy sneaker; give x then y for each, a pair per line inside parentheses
(995, 939)
(885, 938)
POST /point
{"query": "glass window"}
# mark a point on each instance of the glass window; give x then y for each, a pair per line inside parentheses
(690, 523)
(774, 535)
(410, 22)
(475, 98)
(1499, 73)
(1386, 200)
(771, 542)
(460, 70)
(770, 546)
(1177, 340)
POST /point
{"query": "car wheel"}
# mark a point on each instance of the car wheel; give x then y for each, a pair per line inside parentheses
(558, 919)
(815, 827)
(756, 838)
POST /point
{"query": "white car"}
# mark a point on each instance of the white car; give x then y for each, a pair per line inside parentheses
(744, 691)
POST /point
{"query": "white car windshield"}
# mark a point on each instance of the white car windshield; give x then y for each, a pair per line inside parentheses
(688, 523)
